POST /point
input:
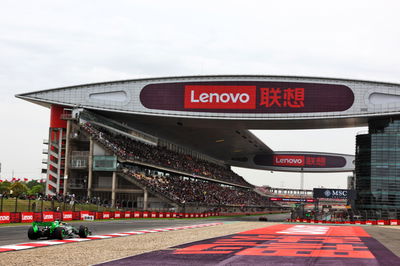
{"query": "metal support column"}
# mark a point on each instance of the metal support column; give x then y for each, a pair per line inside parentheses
(67, 157)
(90, 168)
(113, 188)
(145, 198)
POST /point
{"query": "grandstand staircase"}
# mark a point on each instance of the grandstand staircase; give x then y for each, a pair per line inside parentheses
(139, 184)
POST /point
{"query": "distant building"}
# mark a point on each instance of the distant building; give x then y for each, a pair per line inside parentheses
(351, 182)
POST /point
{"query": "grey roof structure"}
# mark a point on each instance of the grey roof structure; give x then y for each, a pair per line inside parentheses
(213, 114)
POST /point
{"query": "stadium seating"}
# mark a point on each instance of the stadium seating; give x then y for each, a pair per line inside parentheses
(127, 148)
(184, 190)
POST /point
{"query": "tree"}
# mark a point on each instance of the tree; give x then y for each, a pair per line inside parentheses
(18, 188)
(36, 189)
(5, 187)
(32, 183)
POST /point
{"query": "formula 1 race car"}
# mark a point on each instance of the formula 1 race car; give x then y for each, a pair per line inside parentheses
(56, 230)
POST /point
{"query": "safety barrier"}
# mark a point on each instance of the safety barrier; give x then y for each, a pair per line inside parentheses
(48, 216)
(368, 222)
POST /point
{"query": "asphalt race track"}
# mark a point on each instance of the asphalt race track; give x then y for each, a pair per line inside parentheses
(280, 244)
(18, 234)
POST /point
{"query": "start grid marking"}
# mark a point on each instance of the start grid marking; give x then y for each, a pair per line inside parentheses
(47, 243)
(294, 241)
(280, 244)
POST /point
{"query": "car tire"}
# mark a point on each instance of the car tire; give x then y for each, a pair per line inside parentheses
(59, 233)
(83, 231)
(32, 235)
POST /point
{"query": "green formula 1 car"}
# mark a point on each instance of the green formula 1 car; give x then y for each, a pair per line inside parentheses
(56, 230)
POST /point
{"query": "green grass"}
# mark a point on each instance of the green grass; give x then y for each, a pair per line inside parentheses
(23, 206)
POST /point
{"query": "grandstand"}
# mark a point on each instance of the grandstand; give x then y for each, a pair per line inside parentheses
(113, 161)
(130, 141)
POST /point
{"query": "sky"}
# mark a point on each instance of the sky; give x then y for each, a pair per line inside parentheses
(49, 44)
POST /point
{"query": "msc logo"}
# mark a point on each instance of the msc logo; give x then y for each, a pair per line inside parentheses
(336, 193)
(339, 193)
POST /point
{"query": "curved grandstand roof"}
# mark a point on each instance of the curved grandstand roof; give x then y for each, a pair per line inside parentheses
(213, 114)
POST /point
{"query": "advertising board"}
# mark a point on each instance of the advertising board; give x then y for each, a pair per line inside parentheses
(26, 217)
(48, 216)
(332, 193)
(4, 217)
(300, 160)
(247, 97)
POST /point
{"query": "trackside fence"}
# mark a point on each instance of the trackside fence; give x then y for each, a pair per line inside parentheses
(48, 216)
(367, 222)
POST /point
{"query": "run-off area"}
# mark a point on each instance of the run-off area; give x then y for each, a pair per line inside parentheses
(276, 245)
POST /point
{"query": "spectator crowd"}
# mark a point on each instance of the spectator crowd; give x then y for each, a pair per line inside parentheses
(128, 148)
(185, 190)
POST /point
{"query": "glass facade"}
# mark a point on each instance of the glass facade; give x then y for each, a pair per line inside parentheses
(378, 169)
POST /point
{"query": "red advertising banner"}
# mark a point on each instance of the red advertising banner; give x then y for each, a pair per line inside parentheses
(83, 214)
(26, 217)
(154, 214)
(67, 216)
(99, 215)
(292, 200)
(117, 215)
(161, 215)
(300, 160)
(48, 216)
(220, 97)
(137, 214)
(106, 215)
(127, 215)
(167, 215)
(145, 214)
(4, 217)
(288, 160)
(247, 97)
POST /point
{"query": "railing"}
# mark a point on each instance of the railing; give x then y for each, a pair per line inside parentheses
(95, 118)
(80, 153)
(79, 163)
(362, 132)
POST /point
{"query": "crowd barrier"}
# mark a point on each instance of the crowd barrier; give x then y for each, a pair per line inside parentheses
(249, 213)
(368, 222)
(48, 216)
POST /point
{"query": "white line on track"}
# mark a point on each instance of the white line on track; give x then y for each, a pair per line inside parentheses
(46, 243)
